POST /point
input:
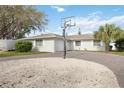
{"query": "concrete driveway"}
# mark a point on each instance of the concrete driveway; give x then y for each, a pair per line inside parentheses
(114, 62)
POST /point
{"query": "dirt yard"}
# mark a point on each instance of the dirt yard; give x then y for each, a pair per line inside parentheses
(55, 73)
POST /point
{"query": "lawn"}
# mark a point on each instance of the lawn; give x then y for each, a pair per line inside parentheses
(111, 52)
(14, 53)
(118, 53)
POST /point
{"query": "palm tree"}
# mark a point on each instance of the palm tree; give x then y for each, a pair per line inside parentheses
(108, 33)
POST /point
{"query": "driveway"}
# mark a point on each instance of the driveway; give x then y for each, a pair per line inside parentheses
(113, 62)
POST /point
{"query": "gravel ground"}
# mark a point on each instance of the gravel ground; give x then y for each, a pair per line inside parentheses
(55, 72)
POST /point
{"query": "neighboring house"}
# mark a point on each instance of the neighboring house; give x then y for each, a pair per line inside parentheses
(6, 45)
(54, 43)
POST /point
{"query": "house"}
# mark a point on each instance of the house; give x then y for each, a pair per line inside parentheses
(85, 42)
(46, 42)
(54, 43)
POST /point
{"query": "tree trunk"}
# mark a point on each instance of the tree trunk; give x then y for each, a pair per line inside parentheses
(107, 47)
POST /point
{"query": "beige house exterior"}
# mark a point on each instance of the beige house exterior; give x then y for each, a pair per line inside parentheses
(54, 43)
(46, 42)
(85, 42)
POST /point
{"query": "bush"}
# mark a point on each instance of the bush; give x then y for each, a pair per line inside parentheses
(120, 44)
(23, 46)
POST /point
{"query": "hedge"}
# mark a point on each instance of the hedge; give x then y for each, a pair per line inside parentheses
(23, 46)
(120, 44)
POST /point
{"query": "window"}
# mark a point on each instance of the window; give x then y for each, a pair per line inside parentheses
(78, 43)
(97, 43)
(39, 42)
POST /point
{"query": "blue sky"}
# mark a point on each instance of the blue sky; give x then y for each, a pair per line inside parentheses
(88, 17)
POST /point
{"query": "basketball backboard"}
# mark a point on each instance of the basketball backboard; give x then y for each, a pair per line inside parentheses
(67, 22)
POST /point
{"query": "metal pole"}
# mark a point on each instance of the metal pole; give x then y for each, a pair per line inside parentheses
(67, 23)
(64, 43)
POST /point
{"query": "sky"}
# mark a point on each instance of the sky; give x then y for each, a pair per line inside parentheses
(88, 17)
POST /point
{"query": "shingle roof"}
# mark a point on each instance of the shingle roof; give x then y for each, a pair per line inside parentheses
(43, 36)
(81, 37)
(71, 37)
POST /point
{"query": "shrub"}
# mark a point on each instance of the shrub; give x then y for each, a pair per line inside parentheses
(23, 46)
(120, 44)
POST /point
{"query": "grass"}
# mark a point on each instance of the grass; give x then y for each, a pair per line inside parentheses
(117, 53)
(14, 53)
(110, 52)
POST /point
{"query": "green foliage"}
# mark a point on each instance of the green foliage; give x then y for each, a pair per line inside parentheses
(18, 20)
(15, 53)
(108, 33)
(120, 44)
(23, 46)
(118, 53)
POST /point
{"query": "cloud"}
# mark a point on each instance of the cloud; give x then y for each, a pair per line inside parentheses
(92, 22)
(95, 14)
(59, 9)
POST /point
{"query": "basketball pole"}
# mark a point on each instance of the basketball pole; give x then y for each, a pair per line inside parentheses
(64, 43)
(64, 34)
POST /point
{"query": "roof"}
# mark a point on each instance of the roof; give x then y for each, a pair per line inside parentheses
(71, 37)
(43, 36)
(81, 37)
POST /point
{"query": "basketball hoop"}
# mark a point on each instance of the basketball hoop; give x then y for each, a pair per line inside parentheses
(65, 23)
(68, 22)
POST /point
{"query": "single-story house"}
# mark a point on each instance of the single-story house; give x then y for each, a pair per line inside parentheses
(54, 43)
(46, 42)
(85, 42)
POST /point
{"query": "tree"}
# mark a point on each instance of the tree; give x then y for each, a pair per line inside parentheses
(120, 44)
(16, 21)
(108, 33)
